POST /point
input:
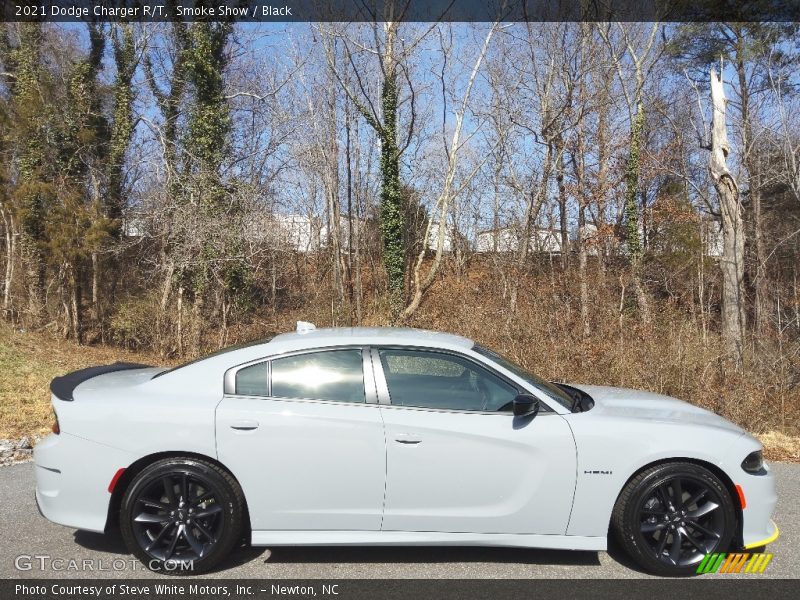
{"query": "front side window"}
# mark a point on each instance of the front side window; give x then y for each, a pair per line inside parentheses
(443, 381)
(553, 392)
(334, 375)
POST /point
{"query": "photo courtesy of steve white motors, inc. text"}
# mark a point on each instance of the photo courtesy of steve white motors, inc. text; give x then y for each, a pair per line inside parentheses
(193, 590)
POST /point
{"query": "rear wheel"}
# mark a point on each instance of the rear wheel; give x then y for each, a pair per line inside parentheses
(670, 516)
(182, 515)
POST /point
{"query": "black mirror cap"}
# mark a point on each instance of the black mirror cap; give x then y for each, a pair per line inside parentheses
(525, 405)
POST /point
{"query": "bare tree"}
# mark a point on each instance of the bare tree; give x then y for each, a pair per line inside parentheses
(642, 53)
(449, 190)
(732, 262)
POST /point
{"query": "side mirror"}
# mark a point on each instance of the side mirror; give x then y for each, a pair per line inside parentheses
(525, 405)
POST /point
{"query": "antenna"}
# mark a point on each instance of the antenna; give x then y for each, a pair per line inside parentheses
(305, 327)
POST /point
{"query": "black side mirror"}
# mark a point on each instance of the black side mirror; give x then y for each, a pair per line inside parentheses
(525, 405)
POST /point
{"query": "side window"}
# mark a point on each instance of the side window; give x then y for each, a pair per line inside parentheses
(336, 375)
(444, 381)
(253, 380)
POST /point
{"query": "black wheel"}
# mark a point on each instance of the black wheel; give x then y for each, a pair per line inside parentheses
(182, 515)
(670, 516)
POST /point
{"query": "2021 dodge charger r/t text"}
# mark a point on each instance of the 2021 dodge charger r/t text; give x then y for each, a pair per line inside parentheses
(379, 436)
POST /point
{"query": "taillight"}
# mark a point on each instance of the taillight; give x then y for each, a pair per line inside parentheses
(56, 428)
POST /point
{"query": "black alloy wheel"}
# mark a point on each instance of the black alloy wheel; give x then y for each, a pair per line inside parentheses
(670, 516)
(182, 516)
(682, 521)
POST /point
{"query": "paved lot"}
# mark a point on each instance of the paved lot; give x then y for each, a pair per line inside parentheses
(25, 532)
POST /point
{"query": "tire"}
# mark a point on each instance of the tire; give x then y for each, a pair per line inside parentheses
(666, 537)
(190, 530)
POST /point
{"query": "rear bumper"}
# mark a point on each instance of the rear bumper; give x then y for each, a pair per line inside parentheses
(72, 477)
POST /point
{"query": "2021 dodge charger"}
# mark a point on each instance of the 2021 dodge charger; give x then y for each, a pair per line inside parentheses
(380, 436)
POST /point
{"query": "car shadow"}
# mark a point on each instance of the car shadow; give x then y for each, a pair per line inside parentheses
(112, 543)
(101, 542)
(616, 552)
(421, 554)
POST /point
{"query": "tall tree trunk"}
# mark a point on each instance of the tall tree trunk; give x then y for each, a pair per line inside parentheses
(732, 262)
(581, 195)
(332, 192)
(750, 160)
(392, 214)
(602, 175)
(75, 304)
(95, 316)
(563, 217)
(8, 278)
(179, 332)
(348, 271)
(631, 211)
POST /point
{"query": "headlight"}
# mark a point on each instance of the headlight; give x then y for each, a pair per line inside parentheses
(754, 463)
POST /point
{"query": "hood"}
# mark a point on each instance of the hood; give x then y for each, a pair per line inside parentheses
(649, 406)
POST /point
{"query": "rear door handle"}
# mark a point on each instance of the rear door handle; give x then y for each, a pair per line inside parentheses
(244, 425)
(407, 438)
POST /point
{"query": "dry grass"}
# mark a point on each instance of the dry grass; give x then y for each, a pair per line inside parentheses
(28, 361)
(781, 447)
(670, 355)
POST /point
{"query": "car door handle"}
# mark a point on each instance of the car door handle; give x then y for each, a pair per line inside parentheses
(244, 425)
(405, 438)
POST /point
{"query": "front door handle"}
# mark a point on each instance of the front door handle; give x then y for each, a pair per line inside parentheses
(407, 438)
(244, 425)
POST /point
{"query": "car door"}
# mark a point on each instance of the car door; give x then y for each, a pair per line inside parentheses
(458, 461)
(303, 436)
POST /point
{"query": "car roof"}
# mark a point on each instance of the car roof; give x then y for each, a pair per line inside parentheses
(310, 339)
(402, 336)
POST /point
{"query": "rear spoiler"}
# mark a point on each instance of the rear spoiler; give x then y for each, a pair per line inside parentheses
(62, 387)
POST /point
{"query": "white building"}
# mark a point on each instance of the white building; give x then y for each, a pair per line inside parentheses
(299, 233)
(507, 239)
(433, 238)
(711, 237)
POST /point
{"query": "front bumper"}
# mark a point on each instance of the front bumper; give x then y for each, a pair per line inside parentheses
(760, 496)
(758, 529)
(72, 477)
(767, 540)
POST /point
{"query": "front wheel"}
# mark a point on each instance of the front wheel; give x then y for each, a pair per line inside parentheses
(182, 515)
(670, 516)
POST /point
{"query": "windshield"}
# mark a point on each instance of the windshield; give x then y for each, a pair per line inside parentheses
(552, 391)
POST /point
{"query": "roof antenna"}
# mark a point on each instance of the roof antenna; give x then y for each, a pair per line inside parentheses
(305, 327)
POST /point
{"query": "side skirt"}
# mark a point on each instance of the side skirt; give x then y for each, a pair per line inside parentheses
(424, 538)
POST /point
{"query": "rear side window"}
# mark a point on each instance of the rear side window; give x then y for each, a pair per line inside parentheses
(253, 380)
(334, 375)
